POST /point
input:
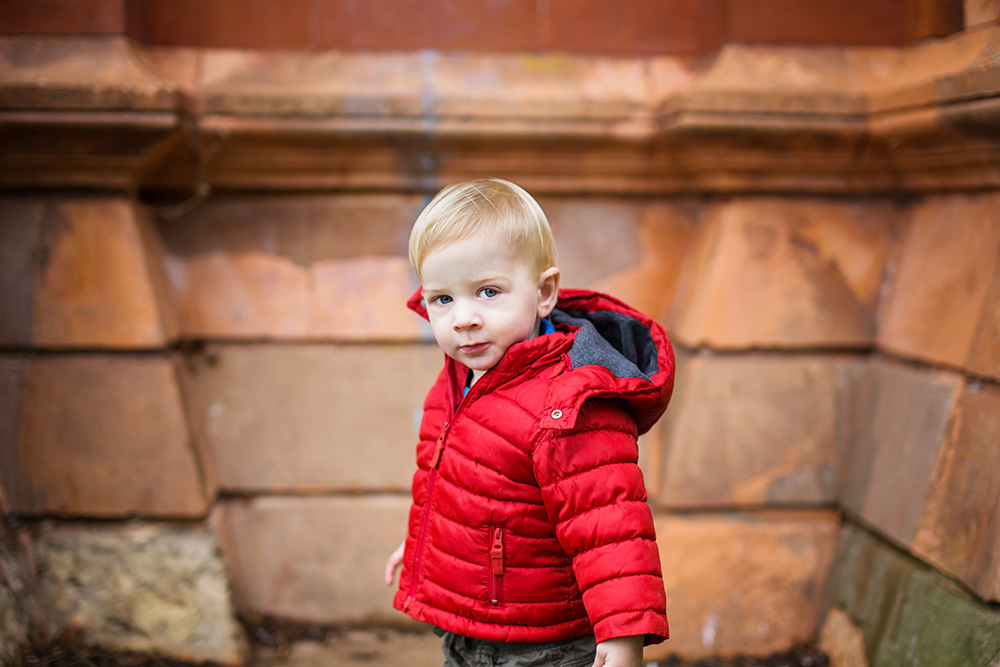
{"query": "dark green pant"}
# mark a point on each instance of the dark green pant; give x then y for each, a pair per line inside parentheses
(462, 651)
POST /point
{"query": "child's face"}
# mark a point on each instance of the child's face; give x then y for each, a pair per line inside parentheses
(482, 300)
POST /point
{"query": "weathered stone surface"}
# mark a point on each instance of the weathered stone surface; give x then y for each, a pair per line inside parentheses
(949, 258)
(334, 268)
(139, 588)
(81, 111)
(772, 273)
(20, 229)
(743, 584)
(959, 530)
(984, 355)
(301, 84)
(910, 615)
(10, 409)
(751, 430)
(81, 273)
(901, 81)
(314, 417)
(842, 641)
(981, 12)
(16, 622)
(314, 559)
(79, 73)
(384, 647)
(547, 86)
(641, 266)
(748, 79)
(103, 436)
(902, 416)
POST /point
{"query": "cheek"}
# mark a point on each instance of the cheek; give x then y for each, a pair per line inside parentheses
(438, 326)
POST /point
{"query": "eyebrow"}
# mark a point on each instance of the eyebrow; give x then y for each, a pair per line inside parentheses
(487, 278)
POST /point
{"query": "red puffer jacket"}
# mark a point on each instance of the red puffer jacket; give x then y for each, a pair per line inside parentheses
(529, 520)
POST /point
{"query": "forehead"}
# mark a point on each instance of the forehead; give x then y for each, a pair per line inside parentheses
(473, 259)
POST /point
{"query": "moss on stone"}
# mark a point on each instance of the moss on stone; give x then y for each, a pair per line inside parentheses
(911, 616)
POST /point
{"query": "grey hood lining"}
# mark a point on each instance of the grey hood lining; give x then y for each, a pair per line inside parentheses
(620, 343)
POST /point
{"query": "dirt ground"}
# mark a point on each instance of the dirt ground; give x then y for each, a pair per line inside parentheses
(368, 648)
(381, 648)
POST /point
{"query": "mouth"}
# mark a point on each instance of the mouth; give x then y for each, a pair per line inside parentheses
(473, 348)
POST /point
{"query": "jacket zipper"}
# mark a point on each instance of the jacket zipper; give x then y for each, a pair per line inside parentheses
(435, 462)
(496, 565)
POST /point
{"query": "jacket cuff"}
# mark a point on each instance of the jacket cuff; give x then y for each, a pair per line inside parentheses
(652, 624)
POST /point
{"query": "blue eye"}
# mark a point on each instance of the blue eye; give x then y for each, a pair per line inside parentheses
(444, 299)
(489, 292)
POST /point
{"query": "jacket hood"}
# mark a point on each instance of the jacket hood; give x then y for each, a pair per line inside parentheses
(611, 350)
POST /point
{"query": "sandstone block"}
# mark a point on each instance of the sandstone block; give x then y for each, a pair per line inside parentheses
(139, 588)
(102, 436)
(751, 430)
(323, 85)
(47, 74)
(984, 355)
(752, 79)
(630, 250)
(540, 87)
(771, 273)
(889, 469)
(910, 614)
(842, 641)
(10, 409)
(384, 647)
(313, 559)
(981, 12)
(20, 231)
(743, 584)
(959, 529)
(314, 417)
(949, 257)
(85, 273)
(334, 268)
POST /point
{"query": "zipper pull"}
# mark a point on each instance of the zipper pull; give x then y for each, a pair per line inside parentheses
(496, 551)
(439, 447)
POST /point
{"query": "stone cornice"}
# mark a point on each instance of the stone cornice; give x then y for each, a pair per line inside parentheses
(102, 113)
(81, 112)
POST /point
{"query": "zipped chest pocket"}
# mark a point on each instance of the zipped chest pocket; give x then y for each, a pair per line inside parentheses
(496, 565)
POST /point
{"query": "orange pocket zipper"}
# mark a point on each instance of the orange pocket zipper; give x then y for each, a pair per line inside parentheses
(496, 565)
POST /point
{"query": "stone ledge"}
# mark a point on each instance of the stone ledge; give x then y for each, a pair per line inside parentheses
(752, 118)
(80, 74)
(81, 112)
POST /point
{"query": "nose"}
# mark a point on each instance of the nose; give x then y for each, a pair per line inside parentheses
(466, 316)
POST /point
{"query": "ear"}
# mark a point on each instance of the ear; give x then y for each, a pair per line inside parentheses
(548, 291)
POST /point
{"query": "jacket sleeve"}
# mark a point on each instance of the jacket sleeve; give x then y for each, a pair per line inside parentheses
(594, 493)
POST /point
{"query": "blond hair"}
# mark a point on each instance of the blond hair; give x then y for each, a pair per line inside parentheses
(496, 210)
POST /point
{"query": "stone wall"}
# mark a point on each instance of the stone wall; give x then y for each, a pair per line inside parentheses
(212, 385)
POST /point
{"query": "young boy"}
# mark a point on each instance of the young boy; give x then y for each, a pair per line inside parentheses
(530, 541)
